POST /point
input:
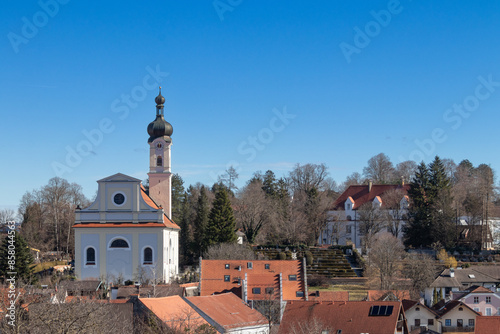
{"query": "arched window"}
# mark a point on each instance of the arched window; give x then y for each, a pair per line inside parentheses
(159, 162)
(148, 256)
(119, 243)
(90, 256)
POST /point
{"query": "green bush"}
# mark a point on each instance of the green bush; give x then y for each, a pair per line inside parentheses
(281, 256)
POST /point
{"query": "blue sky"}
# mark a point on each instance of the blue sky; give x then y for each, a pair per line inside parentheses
(257, 84)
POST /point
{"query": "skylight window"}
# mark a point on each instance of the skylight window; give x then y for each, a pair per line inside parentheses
(472, 276)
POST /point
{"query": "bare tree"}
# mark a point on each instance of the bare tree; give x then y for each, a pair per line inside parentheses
(311, 326)
(395, 213)
(229, 177)
(352, 180)
(230, 251)
(379, 169)
(305, 178)
(385, 257)
(371, 222)
(310, 197)
(49, 213)
(252, 210)
(421, 269)
(6, 215)
(405, 171)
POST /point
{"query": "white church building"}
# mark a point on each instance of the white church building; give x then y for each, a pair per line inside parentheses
(128, 232)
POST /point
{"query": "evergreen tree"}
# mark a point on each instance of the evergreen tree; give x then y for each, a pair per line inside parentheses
(221, 222)
(442, 217)
(417, 228)
(16, 259)
(430, 214)
(178, 194)
(200, 243)
(435, 297)
(269, 184)
(186, 235)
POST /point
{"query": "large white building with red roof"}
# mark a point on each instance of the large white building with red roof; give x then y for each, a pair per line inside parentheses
(344, 219)
(127, 233)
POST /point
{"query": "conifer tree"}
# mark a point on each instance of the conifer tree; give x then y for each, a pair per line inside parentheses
(221, 222)
(16, 258)
(430, 214)
(178, 194)
(435, 297)
(186, 234)
(417, 228)
(201, 223)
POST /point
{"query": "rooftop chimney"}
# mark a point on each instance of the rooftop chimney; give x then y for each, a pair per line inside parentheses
(452, 272)
(370, 183)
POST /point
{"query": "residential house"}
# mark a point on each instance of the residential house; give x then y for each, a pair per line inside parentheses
(420, 317)
(456, 317)
(175, 312)
(254, 279)
(344, 219)
(487, 325)
(226, 312)
(455, 280)
(344, 317)
(481, 300)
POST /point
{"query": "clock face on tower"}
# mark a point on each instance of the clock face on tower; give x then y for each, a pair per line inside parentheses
(159, 145)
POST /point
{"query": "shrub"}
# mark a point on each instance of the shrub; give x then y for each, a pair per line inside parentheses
(281, 256)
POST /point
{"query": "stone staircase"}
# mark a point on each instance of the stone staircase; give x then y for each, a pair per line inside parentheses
(326, 262)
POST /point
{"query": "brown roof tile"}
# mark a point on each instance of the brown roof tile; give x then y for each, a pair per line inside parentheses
(349, 317)
(488, 325)
(360, 194)
(228, 310)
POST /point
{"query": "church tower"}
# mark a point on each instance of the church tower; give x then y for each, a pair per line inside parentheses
(160, 143)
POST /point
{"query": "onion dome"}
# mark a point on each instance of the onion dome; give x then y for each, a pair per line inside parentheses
(160, 128)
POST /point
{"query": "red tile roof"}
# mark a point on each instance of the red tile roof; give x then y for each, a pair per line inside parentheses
(149, 201)
(488, 325)
(228, 310)
(337, 296)
(450, 306)
(360, 195)
(408, 304)
(374, 295)
(174, 311)
(213, 272)
(350, 317)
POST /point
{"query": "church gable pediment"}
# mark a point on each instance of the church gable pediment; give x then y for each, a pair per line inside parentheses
(119, 177)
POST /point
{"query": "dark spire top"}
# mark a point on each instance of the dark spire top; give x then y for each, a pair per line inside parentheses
(160, 127)
(160, 101)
